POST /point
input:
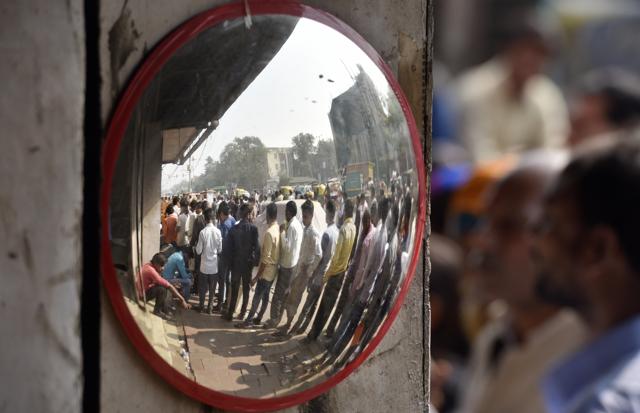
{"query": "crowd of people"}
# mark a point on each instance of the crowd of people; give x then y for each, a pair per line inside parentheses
(535, 273)
(341, 280)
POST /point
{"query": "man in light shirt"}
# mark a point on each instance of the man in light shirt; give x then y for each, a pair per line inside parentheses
(512, 353)
(334, 277)
(291, 241)
(310, 255)
(209, 248)
(267, 270)
(183, 236)
(314, 286)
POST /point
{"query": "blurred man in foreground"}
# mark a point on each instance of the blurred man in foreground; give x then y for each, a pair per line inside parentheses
(591, 256)
(513, 352)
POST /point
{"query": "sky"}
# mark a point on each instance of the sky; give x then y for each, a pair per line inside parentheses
(289, 96)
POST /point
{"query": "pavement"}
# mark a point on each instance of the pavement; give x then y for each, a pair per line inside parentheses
(166, 337)
(247, 362)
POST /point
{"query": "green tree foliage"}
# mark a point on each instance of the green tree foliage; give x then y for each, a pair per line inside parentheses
(304, 150)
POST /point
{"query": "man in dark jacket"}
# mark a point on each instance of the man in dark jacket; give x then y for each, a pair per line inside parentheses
(242, 253)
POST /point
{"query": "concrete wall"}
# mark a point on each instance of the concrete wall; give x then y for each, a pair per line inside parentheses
(41, 113)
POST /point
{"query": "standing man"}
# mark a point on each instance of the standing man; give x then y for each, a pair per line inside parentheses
(169, 232)
(183, 236)
(198, 225)
(310, 255)
(314, 287)
(588, 243)
(208, 248)
(289, 254)
(267, 269)
(225, 223)
(335, 274)
(156, 287)
(242, 253)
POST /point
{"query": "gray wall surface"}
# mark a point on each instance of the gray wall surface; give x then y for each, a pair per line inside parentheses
(41, 113)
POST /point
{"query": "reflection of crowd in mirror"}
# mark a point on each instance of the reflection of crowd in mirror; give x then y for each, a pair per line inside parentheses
(341, 282)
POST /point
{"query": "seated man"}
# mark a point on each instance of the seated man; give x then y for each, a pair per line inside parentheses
(156, 287)
(175, 271)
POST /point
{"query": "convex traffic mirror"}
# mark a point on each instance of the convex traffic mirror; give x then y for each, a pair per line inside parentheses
(263, 205)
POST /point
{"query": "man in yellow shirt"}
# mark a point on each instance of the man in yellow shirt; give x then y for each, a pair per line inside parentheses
(335, 274)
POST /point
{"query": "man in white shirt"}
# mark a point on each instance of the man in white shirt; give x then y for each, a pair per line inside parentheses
(209, 247)
(183, 239)
(310, 255)
(290, 243)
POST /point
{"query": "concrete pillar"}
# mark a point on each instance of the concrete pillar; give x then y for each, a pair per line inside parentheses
(41, 112)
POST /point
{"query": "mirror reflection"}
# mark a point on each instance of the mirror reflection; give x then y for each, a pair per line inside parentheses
(264, 206)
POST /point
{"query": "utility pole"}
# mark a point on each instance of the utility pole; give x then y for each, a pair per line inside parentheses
(189, 170)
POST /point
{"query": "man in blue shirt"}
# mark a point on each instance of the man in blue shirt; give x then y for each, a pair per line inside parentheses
(226, 221)
(590, 260)
(175, 271)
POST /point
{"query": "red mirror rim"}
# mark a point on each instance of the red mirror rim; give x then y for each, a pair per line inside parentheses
(117, 127)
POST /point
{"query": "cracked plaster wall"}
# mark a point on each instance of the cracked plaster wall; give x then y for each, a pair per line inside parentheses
(41, 113)
(392, 379)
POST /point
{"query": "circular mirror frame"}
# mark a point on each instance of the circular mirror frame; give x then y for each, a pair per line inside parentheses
(116, 131)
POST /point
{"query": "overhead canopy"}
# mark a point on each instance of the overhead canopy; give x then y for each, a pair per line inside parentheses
(205, 76)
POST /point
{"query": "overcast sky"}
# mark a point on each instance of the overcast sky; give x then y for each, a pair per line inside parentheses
(288, 97)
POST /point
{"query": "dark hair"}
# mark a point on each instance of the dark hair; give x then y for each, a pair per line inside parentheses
(184, 202)
(193, 204)
(383, 208)
(348, 208)
(620, 90)
(208, 215)
(272, 211)
(223, 208)
(292, 208)
(330, 208)
(245, 210)
(158, 259)
(175, 200)
(169, 209)
(307, 206)
(604, 185)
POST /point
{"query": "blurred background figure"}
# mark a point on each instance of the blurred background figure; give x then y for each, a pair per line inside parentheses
(507, 104)
(449, 346)
(607, 102)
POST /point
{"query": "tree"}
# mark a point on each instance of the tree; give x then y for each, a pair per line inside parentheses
(244, 162)
(303, 149)
(325, 159)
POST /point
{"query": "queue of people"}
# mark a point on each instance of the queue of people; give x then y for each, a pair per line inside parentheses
(341, 281)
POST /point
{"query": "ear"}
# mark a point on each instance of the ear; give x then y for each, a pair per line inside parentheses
(601, 249)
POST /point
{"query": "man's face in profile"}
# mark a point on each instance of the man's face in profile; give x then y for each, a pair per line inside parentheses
(556, 254)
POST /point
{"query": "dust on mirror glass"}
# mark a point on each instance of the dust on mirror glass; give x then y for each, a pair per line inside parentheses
(264, 206)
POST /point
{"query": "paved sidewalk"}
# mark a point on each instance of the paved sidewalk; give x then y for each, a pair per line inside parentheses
(166, 337)
(247, 362)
